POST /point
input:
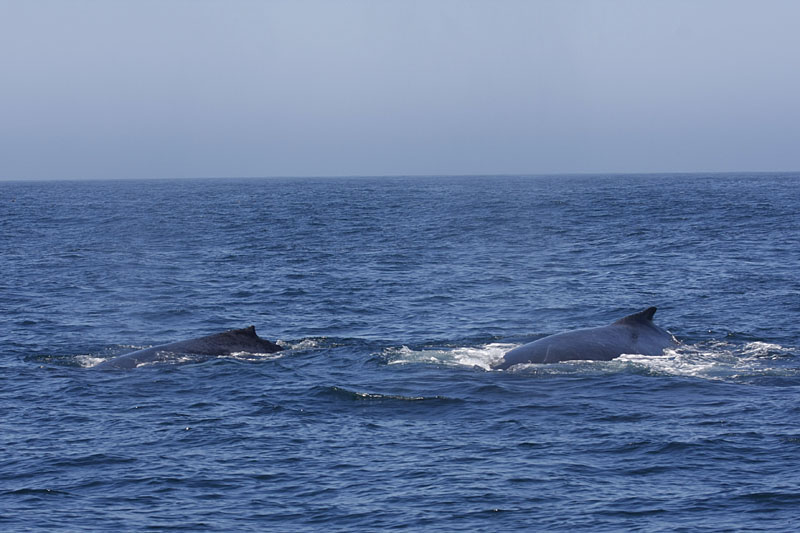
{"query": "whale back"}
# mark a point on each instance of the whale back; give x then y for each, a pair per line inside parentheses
(226, 343)
(636, 334)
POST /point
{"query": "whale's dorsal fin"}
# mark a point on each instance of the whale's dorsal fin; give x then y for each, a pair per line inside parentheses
(642, 317)
(249, 331)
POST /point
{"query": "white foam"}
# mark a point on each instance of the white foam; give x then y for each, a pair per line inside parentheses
(249, 356)
(481, 356)
(715, 360)
(764, 349)
(674, 363)
(88, 361)
(305, 344)
(484, 356)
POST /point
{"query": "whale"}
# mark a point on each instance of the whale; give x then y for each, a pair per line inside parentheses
(226, 343)
(633, 334)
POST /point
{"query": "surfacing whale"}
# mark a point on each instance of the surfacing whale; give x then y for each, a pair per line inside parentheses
(633, 334)
(225, 343)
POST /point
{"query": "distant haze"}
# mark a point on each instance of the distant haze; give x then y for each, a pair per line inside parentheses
(119, 89)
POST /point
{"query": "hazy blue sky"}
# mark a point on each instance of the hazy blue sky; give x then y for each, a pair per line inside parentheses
(115, 89)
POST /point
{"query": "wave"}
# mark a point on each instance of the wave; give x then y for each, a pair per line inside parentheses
(341, 393)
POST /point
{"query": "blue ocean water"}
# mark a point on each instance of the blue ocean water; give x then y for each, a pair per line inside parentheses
(392, 297)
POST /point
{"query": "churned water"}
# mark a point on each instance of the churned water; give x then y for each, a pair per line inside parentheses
(392, 297)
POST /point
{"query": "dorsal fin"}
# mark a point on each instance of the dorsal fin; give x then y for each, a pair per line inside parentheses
(249, 331)
(645, 316)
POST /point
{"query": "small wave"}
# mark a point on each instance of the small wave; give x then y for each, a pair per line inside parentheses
(342, 393)
(27, 491)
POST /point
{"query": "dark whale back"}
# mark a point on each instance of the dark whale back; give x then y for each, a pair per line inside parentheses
(225, 343)
(633, 334)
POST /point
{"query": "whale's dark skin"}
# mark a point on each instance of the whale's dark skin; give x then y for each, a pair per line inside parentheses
(633, 334)
(225, 343)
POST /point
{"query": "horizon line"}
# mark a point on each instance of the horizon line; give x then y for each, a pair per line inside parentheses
(412, 175)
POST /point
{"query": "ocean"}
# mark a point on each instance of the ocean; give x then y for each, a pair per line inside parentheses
(392, 297)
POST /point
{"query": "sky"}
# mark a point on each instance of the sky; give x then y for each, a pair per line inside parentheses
(236, 88)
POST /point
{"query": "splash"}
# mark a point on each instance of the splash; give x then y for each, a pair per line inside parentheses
(303, 344)
(483, 356)
(88, 360)
(716, 360)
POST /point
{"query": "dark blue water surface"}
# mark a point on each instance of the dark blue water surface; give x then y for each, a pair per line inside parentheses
(393, 296)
